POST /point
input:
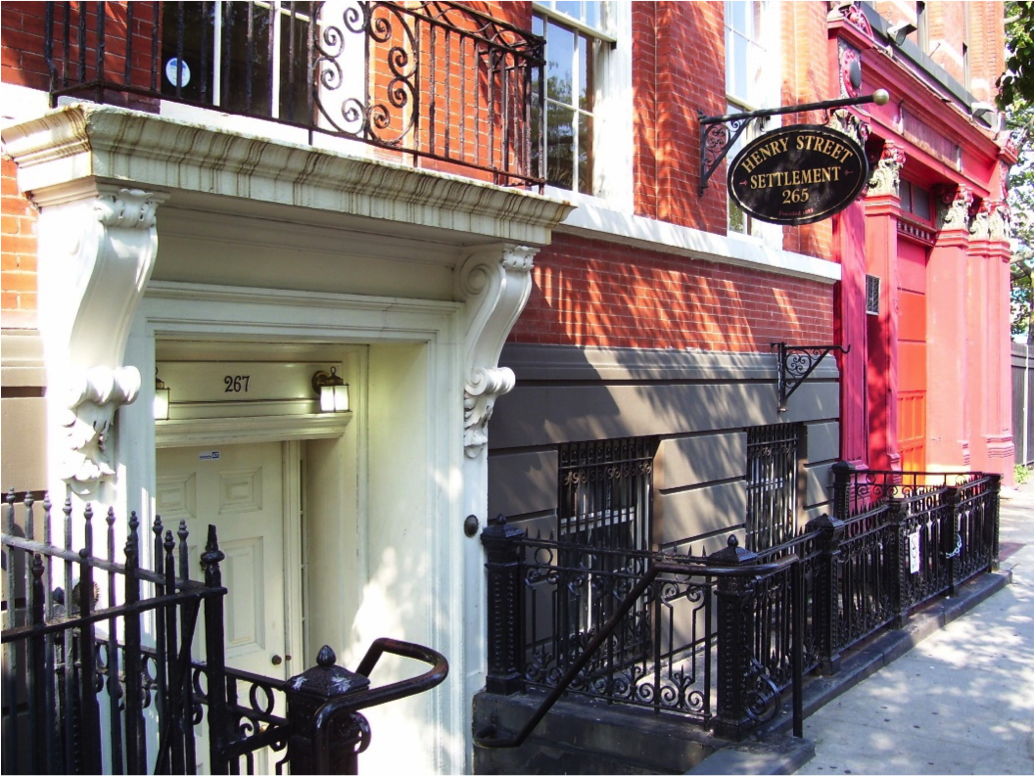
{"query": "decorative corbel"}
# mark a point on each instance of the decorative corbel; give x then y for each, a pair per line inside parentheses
(92, 401)
(954, 207)
(884, 180)
(97, 249)
(495, 283)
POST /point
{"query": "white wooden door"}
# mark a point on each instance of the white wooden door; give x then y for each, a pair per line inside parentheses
(239, 489)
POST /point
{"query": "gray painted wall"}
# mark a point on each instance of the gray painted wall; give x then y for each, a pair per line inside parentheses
(699, 403)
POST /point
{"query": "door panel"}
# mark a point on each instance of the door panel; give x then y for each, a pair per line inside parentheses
(239, 489)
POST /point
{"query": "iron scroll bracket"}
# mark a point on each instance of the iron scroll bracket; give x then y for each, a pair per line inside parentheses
(715, 139)
(796, 362)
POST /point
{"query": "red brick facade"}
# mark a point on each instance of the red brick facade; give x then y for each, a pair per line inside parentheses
(18, 231)
(596, 293)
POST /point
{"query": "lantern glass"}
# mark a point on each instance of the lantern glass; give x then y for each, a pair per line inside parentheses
(334, 398)
(161, 407)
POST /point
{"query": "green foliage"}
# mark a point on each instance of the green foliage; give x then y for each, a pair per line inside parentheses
(1015, 99)
(1021, 474)
(1022, 211)
(1017, 82)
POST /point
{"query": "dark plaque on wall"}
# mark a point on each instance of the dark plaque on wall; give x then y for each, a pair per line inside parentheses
(798, 174)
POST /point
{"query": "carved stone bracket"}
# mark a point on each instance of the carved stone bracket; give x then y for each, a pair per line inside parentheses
(92, 400)
(495, 282)
(885, 177)
(954, 207)
(96, 252)
(847, 123)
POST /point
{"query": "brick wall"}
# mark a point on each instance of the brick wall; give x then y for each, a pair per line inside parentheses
(595, 293)
(679, 61)
(948, 28)
(21, 45)
(18, 253)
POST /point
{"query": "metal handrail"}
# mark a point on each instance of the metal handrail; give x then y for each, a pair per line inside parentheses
(353, 702)
(485, 737)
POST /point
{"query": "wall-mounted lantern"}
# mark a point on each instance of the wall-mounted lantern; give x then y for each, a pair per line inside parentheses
(333, 391)
(162, 393)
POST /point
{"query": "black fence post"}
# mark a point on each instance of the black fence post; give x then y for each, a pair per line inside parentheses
(349, 734)
(899, 553)
(826, 592)
(736, 623)
(994, 489)
(951, 534)
(504, 616)
(842, 473)
(220, 733)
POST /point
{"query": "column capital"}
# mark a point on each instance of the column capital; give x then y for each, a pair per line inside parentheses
(954, 204)
(884, 179)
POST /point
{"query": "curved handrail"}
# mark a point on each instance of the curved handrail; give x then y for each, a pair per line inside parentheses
(353, 702)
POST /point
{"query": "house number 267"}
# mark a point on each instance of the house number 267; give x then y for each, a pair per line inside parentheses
(236, 383)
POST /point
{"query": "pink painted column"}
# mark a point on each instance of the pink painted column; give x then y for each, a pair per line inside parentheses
(998, 432)
(948, 421)
(978, 315)
(882, 204)
(850, 332)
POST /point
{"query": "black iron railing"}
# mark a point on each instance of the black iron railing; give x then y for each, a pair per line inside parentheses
(86, 638)
(699, 637)
(100, 671)
(720, 648)
(434, 82)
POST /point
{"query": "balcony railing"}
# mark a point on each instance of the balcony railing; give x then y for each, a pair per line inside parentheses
(432, 82)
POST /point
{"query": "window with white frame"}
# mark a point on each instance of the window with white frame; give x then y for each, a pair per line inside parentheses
(752, 81)
(568, 123)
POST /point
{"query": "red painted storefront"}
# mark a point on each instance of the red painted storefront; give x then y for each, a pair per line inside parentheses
(925, 384)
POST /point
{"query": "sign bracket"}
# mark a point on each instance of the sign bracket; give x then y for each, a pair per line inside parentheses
(715, 139)
(796, 362)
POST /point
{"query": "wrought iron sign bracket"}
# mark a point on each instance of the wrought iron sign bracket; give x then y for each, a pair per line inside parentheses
(715, 138)
(796, 362)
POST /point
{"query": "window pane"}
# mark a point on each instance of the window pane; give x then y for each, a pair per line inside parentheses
(573, 9)
(193, 50)
(921, 203)
(737, 15)
(560, 152)
(560, 55)
(246, 33)
(585, 154)
(294, 30)
(585, 73)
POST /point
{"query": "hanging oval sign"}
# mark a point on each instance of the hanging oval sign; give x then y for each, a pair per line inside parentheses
(798, 174)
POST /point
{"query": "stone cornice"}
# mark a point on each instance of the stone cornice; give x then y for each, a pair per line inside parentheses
(140, 150)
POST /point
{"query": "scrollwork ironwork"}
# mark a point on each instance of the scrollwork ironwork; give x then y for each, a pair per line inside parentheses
(796, 363)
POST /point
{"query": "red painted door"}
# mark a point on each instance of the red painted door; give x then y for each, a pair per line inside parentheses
(911, 388)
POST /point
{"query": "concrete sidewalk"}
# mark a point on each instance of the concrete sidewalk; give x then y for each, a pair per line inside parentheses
(960, 701)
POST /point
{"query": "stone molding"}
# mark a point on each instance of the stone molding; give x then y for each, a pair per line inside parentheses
(494, 282)
(83, 140)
